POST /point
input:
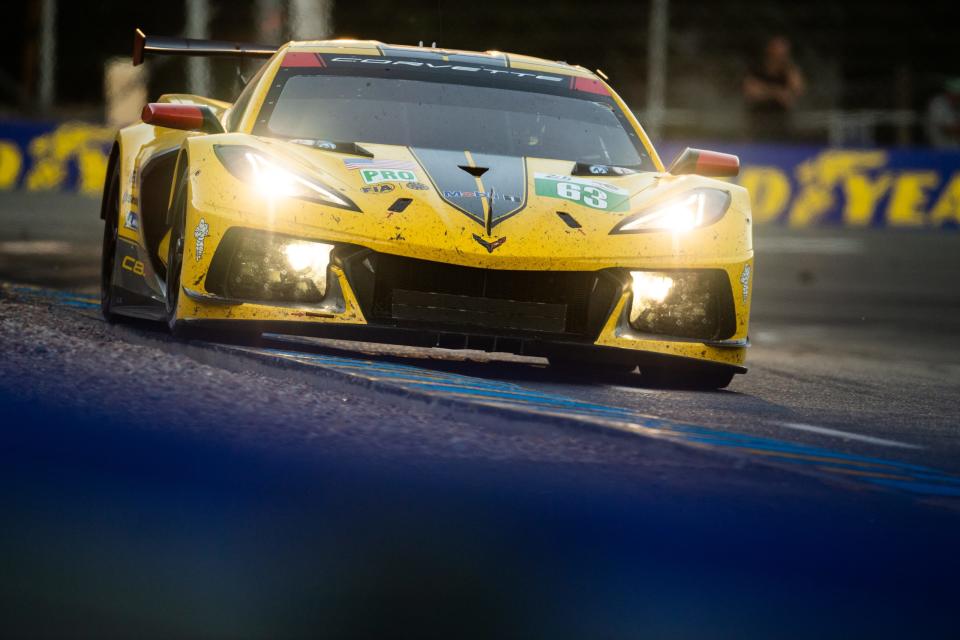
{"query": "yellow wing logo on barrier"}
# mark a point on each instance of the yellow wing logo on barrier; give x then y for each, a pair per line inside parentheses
(860, 184)
(51, 155)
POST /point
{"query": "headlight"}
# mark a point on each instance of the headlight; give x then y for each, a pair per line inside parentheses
(696, 208)
(270, 268)
(684, 303)
(272, 180)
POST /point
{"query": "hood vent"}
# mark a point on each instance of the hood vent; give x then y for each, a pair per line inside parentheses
(476, 172)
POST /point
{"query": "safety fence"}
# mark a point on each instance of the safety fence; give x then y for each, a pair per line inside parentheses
(797, 186)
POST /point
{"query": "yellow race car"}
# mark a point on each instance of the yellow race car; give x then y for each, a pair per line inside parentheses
(425, 196)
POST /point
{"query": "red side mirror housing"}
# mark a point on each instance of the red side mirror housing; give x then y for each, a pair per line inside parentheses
(187, 117)
(711, 164)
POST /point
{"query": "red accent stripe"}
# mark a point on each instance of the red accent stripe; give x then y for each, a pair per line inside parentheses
(174, 116)
(301, 59)
(589, 85)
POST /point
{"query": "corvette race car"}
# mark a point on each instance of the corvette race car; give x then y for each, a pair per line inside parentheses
(432, 197)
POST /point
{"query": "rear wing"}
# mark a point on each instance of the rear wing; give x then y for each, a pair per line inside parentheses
(166, 46)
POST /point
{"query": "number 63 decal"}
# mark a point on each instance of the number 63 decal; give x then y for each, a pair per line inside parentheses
(590, 193)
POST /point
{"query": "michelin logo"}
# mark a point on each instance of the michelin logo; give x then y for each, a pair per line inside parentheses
(201, 233)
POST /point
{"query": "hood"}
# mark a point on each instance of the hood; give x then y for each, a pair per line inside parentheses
(430, 202)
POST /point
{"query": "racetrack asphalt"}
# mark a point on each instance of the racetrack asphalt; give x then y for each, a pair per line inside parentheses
(855, 365)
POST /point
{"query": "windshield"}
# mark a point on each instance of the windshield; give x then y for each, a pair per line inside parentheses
(523, 114)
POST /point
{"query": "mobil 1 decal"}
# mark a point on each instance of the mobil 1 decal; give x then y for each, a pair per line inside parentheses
(590, 193)
(375, 171)
(487, 188)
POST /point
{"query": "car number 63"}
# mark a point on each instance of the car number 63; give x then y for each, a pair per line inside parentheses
(590, 196)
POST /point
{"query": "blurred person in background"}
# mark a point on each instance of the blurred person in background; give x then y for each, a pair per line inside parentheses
(943, 116)
(771, 89)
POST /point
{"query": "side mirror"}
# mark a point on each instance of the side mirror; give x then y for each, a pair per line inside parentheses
(187, 117)
(711, 164)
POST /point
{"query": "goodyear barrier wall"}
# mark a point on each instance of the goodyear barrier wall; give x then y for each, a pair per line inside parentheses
(790, 185)
(804, 186)
(48, 156)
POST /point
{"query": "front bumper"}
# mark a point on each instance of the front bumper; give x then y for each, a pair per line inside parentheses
(381, 297)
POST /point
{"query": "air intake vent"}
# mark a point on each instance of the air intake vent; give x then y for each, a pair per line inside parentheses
(476, 172)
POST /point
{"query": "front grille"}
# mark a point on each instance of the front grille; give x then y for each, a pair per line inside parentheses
(407, 291)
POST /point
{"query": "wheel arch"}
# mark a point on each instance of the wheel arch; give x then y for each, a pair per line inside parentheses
(111, 167)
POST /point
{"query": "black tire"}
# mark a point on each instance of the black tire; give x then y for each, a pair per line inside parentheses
(108, 255)
(177, 327)
(694, 378)
(180, 328)
(581, 367)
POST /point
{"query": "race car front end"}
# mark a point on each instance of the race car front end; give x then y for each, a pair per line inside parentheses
(665, 280)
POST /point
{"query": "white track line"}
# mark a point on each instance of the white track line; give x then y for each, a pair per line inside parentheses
(34, 247)
(635, 389)
(798, 426)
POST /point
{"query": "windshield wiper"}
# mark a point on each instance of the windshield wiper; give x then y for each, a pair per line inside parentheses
(601, 170)
(350, 148)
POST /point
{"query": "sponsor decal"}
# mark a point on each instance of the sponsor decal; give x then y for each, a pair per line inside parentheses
(417, 186)
(590, 193)
(490, 246)
(131, 221)
(200, 234)
(132, 264)
(374, 176)
(482, 194)
(745, 281)
(374, 171)
(378, 188)
(452, 67)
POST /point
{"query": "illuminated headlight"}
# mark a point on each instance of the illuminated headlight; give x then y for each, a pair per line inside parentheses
(278, 269)
(688, 304)
(272, 180)
(696, 208)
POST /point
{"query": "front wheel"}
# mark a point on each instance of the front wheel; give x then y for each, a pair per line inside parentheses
(180, 328)
(175, 261)
(111, 229)
(589, 367)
